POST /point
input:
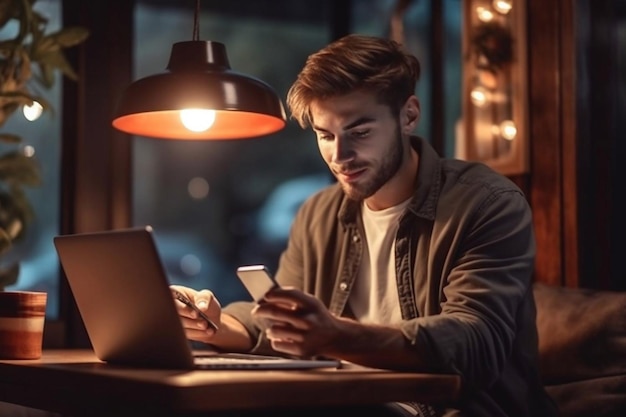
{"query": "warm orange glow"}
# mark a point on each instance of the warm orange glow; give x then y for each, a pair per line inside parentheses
(228, 125)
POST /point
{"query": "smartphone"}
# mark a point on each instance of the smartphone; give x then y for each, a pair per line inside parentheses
(257, 279)
(183, 299)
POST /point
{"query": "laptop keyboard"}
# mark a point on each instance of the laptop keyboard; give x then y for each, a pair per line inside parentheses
(250, 361)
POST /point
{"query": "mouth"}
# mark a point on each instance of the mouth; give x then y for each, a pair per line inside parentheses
(350, 176)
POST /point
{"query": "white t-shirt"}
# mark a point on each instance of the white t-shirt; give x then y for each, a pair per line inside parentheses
(374, 298)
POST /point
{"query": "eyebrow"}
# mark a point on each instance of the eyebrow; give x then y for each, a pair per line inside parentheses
(357, 122)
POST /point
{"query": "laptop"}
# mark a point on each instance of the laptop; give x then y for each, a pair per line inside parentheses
(122, 293)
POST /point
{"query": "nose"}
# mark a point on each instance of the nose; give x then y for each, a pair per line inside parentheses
(343, 151)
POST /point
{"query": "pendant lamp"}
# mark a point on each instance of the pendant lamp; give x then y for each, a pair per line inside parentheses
(199, 98)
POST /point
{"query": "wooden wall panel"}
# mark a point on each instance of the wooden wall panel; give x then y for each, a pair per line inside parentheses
(569, 148)
(577, 148)
(545, 132)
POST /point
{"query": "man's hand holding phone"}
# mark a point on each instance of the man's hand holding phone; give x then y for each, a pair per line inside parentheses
(201, 315)
(186, 301)
(298, 323)
(199, 311)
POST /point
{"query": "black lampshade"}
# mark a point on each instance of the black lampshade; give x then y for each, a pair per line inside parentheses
(199, 77)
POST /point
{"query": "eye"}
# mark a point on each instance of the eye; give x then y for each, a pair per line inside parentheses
(360, 133)
(324, 136)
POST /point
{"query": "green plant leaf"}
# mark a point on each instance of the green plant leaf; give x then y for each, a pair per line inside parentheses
(46, 75)
(9, 275)
(70, 36)
(8, 109)
(16, 213)
(24, 13)
(5, 241)
(18, 96)
(10, 138)
(17, 168)
(21, 212)
(51, 61)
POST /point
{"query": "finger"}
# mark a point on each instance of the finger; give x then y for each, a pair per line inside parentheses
(278, 315)
(204, 325)
(208, 311)
(193, 324)
(288, 347)
(279, 332)
(186, 291)
(186, 300)
(269, 307)
(205, 300)
(199, 335)
(185, 311)
(292, 297)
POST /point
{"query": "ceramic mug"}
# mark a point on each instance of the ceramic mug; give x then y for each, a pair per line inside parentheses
(22, 316)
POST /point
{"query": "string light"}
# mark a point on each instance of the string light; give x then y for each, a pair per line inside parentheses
(484, 14)
(503, 6)
(479, 96)
(508, 130)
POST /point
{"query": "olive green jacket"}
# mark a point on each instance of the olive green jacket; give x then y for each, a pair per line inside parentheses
(465, 254)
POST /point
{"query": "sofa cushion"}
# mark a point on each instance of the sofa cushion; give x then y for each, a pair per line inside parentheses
(582, 333)
(598, 397)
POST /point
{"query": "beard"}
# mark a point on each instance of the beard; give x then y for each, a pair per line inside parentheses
(388, 167)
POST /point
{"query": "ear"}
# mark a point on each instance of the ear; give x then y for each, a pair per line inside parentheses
(410, 115)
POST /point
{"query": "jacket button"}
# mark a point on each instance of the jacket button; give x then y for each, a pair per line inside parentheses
(343, 286)
(355, 238)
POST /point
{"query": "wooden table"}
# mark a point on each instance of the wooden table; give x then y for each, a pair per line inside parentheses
(76, 383)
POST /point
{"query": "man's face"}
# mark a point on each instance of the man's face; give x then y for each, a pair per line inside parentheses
(360, 141)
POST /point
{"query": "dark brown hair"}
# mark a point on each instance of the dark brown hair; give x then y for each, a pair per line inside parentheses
(352, 63)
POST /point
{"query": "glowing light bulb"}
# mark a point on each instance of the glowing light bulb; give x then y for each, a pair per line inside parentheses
(479, 96)
(508, 130)
(484, 14)
(32, 112)
(503, 6)
(197, 120)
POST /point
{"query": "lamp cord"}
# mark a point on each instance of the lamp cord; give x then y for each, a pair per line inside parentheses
(196, 29)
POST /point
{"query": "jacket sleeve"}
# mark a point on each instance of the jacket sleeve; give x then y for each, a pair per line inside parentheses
(486, 321)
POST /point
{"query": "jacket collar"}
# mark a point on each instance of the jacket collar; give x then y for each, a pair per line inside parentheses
(427, 189)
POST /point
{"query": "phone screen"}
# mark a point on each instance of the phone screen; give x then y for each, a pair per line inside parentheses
(257, 279)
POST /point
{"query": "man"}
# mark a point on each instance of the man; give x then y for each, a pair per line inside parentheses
(409, 261)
